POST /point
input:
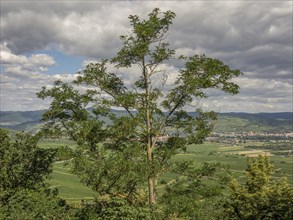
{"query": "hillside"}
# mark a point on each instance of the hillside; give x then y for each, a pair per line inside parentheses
(227, 122)
(259, 122)
(21, 120)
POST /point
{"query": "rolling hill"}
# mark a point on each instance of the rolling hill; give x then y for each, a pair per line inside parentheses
(259, 122)
(227, 122)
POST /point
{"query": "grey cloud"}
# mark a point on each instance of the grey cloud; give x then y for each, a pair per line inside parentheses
(255, 37)
(249, 36)
(90, 29)
(234, 26)
(217, 27)
(25, 31)
(54, 7)
(24, 66)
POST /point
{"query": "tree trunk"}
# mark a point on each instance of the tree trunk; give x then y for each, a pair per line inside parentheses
(151, 181)
(151, 178)
(152, 193)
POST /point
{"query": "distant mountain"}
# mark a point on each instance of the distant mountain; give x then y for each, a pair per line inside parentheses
(258, 122)
(227, 122)
(274, 116)
(21, 120)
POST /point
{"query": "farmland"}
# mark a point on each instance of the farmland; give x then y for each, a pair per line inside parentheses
(235, 155)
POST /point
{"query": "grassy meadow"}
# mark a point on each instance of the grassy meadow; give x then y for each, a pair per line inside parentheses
(72, 190)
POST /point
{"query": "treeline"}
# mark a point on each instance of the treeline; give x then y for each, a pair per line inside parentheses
(284, 153)
(273, 146)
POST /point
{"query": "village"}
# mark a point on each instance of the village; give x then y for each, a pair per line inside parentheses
(242, 137)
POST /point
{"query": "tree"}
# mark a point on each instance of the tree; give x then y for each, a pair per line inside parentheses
(133, 146)
(259, 197)
(24, 168)
(22, 163)
(194, 194)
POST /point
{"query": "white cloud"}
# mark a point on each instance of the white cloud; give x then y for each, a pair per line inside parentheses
(22, 65)
(22, 78)
(255, 37)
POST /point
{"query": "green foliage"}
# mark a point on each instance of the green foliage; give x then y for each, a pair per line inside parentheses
(116, 174)
(259, 197)
(146, 40)
(258, 173)
(195, 191)
(64, 153)
(112, 208)
(22, 163)
(118, 158)
(24, 169)
(34, 204)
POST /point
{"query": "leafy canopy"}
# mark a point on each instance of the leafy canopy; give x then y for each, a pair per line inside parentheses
(119, 153)
(259, 197)
(24, 169)
(22, 163)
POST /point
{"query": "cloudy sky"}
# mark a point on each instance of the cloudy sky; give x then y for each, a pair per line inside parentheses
(42, 41)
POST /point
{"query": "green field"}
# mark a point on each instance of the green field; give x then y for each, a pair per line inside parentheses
(68, 184)
(71, 189)
(54, 143)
